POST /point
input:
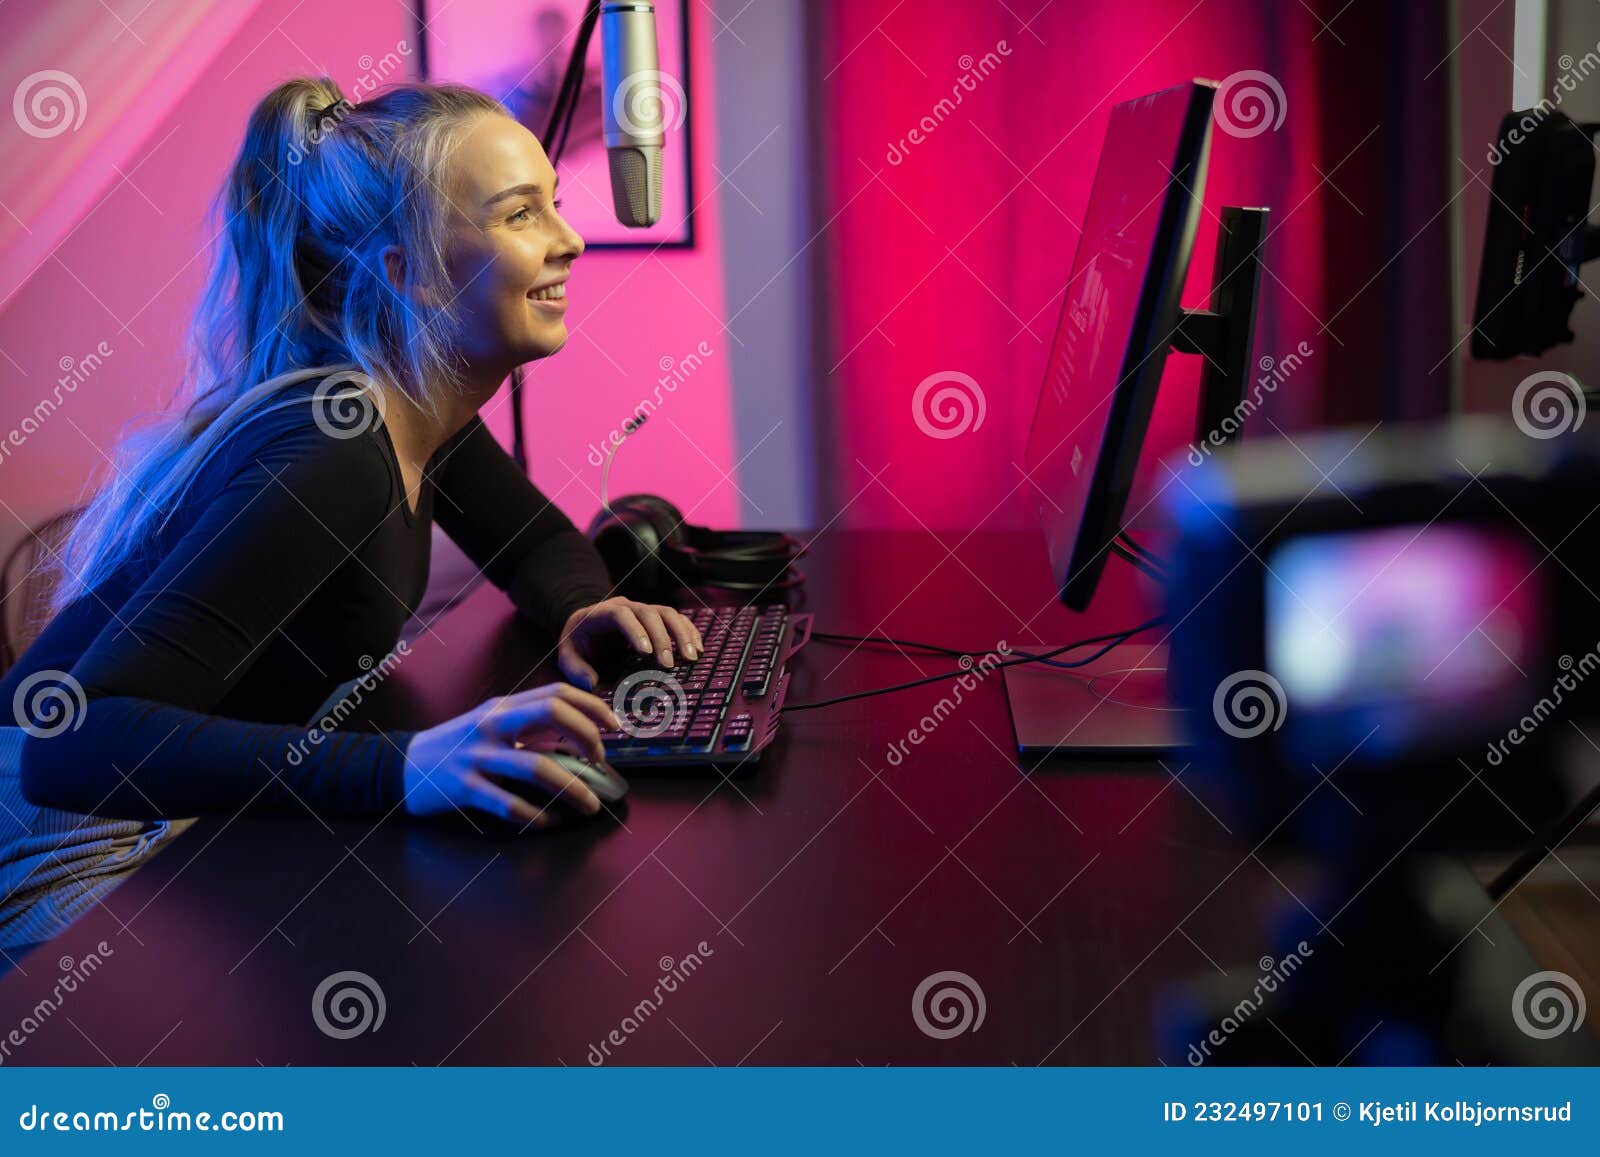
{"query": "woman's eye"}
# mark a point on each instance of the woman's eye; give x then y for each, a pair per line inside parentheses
(522, 214)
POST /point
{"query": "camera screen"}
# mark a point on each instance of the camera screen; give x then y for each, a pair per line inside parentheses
(1410, 628)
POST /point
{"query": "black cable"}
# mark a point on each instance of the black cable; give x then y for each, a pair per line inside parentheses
(1135, 561)
(953, 652)
(1143, 552)
(1555, 835)
(1121, 637)
(1127, 548)
(556, 129)
(566, 102)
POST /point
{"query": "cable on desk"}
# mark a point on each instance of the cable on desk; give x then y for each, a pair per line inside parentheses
(1555, 835)
(954, 652)
(1119, 637)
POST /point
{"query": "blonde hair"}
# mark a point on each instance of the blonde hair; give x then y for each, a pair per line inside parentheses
(298, 287)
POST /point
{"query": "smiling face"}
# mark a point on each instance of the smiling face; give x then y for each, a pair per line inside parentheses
(509, 252)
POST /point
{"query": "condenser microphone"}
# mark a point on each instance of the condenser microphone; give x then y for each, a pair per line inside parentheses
(630, 75)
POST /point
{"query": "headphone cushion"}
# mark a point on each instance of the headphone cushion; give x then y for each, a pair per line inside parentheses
(629, 540)
(665, 518)
(646, 541)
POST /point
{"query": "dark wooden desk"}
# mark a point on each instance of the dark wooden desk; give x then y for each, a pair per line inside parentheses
(826, 884)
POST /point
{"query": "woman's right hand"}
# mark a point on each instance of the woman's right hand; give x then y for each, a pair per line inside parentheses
(448, 767)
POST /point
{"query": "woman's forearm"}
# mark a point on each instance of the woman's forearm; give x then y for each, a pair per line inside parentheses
(138, 759)
(565, 574)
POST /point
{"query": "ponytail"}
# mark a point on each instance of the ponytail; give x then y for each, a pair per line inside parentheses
(297, 288)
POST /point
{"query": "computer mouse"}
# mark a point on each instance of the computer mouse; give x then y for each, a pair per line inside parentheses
(600, 778)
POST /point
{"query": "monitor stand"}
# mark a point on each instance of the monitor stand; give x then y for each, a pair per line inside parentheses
(1117, 705)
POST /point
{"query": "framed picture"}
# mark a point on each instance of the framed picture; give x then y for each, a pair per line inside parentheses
(517, 52)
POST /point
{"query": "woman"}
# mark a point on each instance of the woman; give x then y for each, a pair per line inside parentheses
(384, 267)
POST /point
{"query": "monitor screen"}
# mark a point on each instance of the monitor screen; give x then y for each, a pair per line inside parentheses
(1116, 323)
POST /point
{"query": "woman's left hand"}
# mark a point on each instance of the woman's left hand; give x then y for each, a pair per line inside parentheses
(646, 627)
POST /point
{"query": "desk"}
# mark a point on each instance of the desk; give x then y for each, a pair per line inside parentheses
(826, 884)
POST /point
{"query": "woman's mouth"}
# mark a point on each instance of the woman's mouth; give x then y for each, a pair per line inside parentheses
(551, 298)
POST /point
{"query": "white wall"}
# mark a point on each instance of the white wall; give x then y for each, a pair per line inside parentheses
(768, 227)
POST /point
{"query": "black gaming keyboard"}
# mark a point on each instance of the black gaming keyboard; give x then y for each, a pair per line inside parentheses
(720, 709)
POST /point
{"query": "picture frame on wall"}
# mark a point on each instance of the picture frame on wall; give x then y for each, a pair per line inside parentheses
(517, 52)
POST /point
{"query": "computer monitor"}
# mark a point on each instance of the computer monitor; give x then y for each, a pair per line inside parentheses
(1119, 317)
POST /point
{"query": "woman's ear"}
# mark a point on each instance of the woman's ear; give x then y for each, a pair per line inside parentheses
(394, 267)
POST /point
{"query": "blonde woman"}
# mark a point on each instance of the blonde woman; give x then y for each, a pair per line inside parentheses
(382, 269)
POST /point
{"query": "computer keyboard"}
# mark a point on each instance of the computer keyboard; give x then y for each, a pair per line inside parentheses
(720, 709)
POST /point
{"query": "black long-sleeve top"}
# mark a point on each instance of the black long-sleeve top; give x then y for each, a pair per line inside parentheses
(289, 567)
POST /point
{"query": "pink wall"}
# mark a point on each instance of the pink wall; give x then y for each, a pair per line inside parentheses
(128, 272)
(954, 246)
(71, 149)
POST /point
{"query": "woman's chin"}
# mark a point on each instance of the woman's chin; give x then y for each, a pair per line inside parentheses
(542, 345)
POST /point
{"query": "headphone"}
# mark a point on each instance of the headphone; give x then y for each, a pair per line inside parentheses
(649, 550)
